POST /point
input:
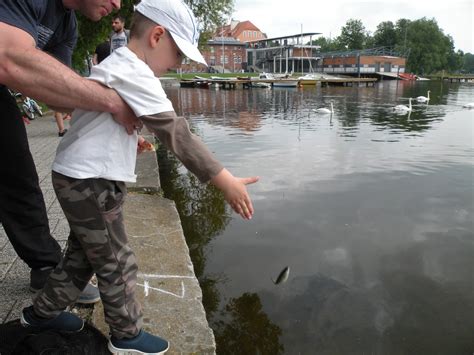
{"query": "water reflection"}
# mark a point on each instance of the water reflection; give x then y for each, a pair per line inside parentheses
(371, 210)
(246, 328)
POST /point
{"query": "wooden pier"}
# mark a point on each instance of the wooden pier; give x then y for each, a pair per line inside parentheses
(229, 84)
(453, 78)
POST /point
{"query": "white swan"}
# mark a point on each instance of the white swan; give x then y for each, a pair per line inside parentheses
(403, 108)
(325, 110)
(423, 98)
(469, 105)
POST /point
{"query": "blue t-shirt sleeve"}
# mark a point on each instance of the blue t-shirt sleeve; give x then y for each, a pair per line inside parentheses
(23, 14)
(53, 27)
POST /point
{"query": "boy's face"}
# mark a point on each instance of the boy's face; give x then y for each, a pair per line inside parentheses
(166, 55)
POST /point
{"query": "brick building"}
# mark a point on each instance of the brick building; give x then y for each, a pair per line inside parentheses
(226, 51)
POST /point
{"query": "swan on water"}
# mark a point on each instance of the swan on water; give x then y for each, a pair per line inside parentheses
(403, 108)
(423, 98)
(325, 110)
(469, 105)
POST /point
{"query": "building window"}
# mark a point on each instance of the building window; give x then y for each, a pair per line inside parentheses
(224, 59)
(212, 49)
(212, 60)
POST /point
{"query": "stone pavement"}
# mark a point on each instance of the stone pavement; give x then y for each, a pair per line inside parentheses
(168, 289)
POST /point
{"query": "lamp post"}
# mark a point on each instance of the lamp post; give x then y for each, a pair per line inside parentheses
(223, 51)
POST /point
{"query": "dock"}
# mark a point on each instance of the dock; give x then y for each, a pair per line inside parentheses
(247, 83)
(454, 78)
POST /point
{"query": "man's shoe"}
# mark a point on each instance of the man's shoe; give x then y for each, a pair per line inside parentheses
(38, 278)
(90, 294)
(61, 134)
(64, 321)
(143, 343)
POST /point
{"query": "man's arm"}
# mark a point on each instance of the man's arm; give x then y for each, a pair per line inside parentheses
(28, 70)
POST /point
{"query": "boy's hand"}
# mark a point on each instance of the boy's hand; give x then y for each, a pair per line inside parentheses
(235, 192)
(144, 145)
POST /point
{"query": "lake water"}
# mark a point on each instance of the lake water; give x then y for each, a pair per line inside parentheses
(371, 210)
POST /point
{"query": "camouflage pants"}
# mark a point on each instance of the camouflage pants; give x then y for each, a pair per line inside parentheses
(97, 244)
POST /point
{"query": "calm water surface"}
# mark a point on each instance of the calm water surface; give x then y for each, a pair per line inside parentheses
(372, 211)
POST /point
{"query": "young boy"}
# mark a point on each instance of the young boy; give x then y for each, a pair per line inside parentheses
(97, 156)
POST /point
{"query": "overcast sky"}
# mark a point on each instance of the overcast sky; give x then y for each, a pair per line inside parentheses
(285, 17)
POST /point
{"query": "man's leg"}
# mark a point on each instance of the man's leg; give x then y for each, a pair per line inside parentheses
(22, 208)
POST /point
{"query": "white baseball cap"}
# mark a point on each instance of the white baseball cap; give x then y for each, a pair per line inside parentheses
(179, 20)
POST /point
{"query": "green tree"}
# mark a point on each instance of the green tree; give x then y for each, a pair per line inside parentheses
(468, 63)
(327, 44)
(385, 35)
(401, 36)
(353, 35)
(211, 14)
(430, 48)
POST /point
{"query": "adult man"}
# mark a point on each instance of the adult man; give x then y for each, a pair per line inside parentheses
(28, 29)
(119, 37)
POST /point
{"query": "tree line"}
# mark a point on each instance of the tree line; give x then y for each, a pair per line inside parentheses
(427, 48)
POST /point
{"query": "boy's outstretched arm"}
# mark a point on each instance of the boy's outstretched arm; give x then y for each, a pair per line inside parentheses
(173, 131)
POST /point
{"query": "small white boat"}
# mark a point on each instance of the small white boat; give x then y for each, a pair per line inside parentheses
(308, 79)
(279, 82)
(285, 83)
(261, 85)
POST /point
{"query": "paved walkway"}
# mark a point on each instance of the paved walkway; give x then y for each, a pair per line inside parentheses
(168, 289)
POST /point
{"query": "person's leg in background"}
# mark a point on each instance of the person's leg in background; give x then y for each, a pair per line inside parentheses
(60, 123)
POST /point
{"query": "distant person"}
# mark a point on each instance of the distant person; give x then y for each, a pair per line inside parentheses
(96, 158)
(102, 51)
(120, 35)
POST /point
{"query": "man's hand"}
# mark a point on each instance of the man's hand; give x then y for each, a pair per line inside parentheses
(124, 115)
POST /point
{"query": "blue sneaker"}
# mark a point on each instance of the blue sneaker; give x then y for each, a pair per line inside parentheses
(143, 343)
(64, 321)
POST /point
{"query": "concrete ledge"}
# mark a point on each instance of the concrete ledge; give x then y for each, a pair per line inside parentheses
(167, 288)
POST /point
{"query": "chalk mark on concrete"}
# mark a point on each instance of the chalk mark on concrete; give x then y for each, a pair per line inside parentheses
(147, 288)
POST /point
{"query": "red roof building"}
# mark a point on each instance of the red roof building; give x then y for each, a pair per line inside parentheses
(244, 31)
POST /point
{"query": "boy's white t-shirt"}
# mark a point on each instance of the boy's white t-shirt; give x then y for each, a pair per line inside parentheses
(96, 146)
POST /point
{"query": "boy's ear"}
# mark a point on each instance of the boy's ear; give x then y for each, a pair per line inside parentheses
(156, 34)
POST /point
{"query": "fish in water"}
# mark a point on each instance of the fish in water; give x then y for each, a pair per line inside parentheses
(283, 276)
